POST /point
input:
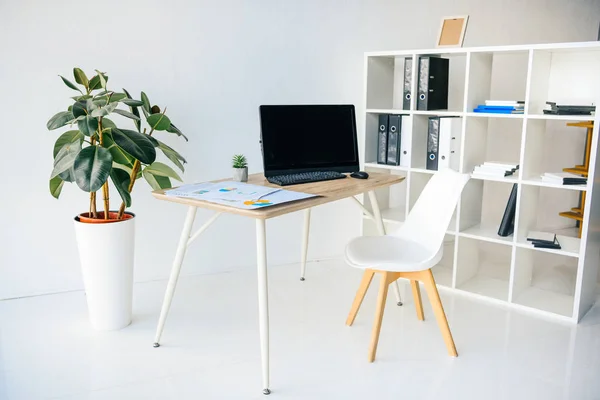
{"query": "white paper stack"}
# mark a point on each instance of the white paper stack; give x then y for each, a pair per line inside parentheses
(563, 178)
(493, 169)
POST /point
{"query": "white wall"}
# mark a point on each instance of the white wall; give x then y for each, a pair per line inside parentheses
(213, 64)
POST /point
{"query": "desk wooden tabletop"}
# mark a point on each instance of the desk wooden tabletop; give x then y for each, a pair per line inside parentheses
(327, 191)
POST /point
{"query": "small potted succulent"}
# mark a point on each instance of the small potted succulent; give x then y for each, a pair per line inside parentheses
(93, 152)
(240, 168)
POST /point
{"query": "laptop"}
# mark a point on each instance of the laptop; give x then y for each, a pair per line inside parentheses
(308, 143)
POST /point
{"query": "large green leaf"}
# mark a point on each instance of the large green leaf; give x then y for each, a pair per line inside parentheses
(102, 78)
(104, 111)
(88, 125)
(135, 143)
(120, 156)
(82, 98)
(132, 102)
(127, 114)
(79, 108)
(160, 169)
(95, 82)
(70, 84)
(59, 120)
(65, 158)
(157, 182)
(159, 122)
(80, 77)
(174, 129)
(113, 97)
(67, 138)
(92, 168)
(121, 180)
(146, 106)
(172, 155)
(56, 185)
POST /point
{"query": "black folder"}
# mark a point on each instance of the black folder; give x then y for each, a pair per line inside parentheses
(394, 128)
(382, 137)
(433, 139)
(433, 83)
(507, 225)
(407, 83)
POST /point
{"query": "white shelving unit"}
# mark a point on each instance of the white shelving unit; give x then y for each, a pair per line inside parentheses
(478, 262)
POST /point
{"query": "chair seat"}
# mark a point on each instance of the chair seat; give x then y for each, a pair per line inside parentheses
(390, 253)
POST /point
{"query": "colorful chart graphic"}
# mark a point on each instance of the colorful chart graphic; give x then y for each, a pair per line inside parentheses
(258, 203)
(226, 189)
(201, 191)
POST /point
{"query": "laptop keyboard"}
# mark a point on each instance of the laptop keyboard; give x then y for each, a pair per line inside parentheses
(305, 177)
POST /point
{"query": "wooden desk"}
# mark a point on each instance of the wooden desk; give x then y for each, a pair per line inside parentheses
(328, 191)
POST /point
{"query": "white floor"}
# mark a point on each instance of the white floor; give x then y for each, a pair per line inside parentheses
(210, 348)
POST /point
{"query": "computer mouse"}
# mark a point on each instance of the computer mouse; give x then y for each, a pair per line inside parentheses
(359, 175)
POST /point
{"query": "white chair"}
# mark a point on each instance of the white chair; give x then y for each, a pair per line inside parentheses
(410, 252)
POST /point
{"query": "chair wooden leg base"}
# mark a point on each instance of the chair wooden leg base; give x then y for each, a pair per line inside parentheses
(386, 279)
(360, 295)
(416, 289)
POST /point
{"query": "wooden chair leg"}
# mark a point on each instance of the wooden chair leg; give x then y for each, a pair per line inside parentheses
(416, 290)
(381, 298)
(360, 295)
(438, 310)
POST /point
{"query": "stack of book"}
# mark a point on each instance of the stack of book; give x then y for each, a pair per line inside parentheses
(563, 178)
(492, 169)
(543, 240)
(559, 109)
(501, 107)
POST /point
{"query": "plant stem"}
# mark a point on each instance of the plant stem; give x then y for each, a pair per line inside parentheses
(93, 213)
(134, 171)
(105, 186)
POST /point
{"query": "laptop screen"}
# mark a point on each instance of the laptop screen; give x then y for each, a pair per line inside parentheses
(303, 138)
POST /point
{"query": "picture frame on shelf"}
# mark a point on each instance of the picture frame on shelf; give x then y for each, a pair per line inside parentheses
(452, 31)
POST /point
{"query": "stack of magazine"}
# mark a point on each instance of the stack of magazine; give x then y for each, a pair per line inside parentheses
(563, 178)
(543, 240)
(560, 109)
(494, 169)
(501, 107)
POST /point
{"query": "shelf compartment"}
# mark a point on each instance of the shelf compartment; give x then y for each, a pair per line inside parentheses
(496, 76)
(420, 123)
(375, 166)
(492, 139)
(385, 82)
(482, 207)
(539, 209)
(483, 268)
(550, 146)
(443, 272)
(545, 281)
(558, 76)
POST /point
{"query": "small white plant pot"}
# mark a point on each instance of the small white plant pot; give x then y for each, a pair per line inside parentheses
(240, 174)
(106, 252)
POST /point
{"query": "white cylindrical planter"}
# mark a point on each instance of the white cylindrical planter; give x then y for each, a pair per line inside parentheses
(106, 252)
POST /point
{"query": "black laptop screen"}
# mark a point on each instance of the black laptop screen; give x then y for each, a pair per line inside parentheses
(301, 138)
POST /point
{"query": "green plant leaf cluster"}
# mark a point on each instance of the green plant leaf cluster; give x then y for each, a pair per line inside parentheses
(239, 161)
(94, 149)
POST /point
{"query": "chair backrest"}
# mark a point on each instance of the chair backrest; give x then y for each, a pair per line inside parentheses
(428, 220)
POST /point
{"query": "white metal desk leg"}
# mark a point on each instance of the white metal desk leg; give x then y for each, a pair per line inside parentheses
(305, 233)
(263, 300)
(381, 229)
(181, 249)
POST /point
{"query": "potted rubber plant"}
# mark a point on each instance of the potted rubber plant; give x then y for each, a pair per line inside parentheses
(240, 168)
(92, 152)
